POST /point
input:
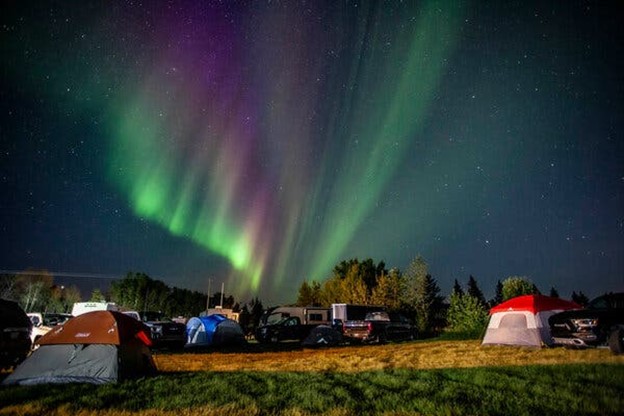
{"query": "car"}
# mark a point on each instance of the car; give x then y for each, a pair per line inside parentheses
(164, 331)
(42, 323)
(600, 324)
(15, 330)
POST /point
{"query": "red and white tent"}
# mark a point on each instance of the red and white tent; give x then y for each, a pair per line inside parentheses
(523, 320)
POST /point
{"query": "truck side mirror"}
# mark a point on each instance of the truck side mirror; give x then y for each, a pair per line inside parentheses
(337, 324)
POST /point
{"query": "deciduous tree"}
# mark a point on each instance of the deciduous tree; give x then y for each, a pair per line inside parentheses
(517, 286)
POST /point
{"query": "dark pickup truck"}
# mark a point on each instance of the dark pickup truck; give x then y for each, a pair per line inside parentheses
(379, 327)
(601, 323)
(285, 329)
(164, 331)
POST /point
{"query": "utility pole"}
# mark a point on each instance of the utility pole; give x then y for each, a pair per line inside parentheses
(208, 297)
(222, 289)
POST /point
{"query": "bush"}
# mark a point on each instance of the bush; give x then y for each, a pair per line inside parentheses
(467, 317)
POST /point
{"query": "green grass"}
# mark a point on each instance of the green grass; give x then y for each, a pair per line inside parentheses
(532, 390)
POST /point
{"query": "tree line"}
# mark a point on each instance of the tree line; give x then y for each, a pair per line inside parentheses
(413, 292)
(416, 294)
(36, 291)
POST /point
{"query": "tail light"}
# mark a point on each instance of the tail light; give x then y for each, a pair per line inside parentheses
(369, 326)
(144, 338)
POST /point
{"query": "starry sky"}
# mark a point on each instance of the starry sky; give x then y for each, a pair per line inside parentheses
(261, 143)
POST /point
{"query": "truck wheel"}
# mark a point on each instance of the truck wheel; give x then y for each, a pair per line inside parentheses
(382, 338)
(616, 341)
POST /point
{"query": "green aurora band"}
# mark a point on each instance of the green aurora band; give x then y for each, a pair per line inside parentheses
(279, 185)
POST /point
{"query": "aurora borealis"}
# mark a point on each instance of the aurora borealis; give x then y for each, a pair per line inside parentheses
(260, 143)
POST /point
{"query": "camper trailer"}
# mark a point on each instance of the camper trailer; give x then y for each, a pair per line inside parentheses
(83, 307)
(227, 312)
(309, 315)
(286, 323)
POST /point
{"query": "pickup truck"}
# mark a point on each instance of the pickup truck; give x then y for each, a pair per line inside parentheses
(285, 329)
(601, 323)
(42, 323)
(164, 331)
(14, 334)
(380, 327)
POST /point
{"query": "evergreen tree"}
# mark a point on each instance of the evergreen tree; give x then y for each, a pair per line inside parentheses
(553, 292)
(304, 295)
(474, 291)
(457, 289)
(256, 312)
(580, 298)
(316, 293)
(309, 294)
(498, 296)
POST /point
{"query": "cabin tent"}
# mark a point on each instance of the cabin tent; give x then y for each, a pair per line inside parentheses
(96, 347)
(523, 320)
(322, 335)
(213, 330)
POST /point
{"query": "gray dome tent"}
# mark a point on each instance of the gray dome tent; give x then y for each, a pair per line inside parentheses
(96, 347)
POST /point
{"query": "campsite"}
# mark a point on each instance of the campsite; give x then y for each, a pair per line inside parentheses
(434, 377)
(104, 362)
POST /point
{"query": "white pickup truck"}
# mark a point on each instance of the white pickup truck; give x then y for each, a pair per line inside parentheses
(42, 323)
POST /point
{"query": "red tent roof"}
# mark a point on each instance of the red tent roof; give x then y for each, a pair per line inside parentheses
(534, 303)
(99, 327)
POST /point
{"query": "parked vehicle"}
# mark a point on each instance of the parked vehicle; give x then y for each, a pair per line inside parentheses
(15, 330)
(42, 323)
(601, 323)
(164, 331)
(286, 323)
(83, 307)
(286, 329)
(227, 312)
(133, 314)
(379, 326)
(309, 315)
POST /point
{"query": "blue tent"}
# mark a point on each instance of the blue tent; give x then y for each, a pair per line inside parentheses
(213, 330)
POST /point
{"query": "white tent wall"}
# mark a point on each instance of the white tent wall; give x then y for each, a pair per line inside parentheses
(512, 328)
(544, 327)
(522, 328)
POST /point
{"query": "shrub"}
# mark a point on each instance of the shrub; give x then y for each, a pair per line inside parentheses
(466, 316)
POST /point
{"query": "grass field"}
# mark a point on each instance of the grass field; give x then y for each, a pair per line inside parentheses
(435, 377)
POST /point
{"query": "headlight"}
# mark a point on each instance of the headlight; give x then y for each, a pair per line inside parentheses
(585, 323)
(157, 329)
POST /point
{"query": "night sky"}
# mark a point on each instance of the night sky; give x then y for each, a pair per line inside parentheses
(261, 143)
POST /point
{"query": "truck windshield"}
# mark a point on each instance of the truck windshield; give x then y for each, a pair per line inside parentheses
(152, 316)
(377, 316)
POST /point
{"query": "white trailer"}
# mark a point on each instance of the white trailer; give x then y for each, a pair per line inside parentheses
(83, 307)
(309, 315)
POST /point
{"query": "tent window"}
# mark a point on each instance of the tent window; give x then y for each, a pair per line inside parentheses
(514, 320)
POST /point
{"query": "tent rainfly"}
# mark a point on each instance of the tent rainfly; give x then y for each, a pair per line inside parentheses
(322, 335)
(96, 347)
(213, 330)
(523, 320)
